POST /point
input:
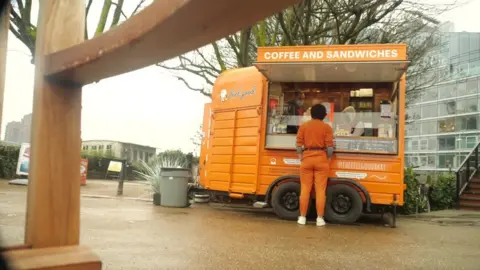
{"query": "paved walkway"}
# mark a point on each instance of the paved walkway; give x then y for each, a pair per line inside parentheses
(129, 234)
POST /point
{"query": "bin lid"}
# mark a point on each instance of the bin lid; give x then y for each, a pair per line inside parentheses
(178, 172)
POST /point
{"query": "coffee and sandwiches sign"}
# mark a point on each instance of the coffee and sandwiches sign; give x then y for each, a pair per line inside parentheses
(341, 53)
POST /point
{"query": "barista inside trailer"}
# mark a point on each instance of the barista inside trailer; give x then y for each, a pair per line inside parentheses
(331, 55)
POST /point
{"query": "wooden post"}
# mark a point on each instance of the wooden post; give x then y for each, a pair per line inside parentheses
(121, 178)
(53, 201)
(4, 26)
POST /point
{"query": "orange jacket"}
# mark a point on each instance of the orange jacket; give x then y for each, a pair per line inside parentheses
(315, 134)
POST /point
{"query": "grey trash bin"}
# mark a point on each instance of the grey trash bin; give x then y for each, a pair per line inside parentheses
(174, 187)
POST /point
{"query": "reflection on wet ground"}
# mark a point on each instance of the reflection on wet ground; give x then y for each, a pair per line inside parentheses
(131, 234)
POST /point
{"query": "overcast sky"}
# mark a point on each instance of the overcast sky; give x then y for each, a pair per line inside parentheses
(147, 106)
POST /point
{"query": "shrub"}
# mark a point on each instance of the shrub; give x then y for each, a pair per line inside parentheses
(8, 161)
(410, 195)
(441, 196)
(151, 171)
(443, 192)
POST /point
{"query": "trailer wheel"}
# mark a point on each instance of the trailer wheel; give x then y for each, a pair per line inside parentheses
(285, 200)
(344, 204)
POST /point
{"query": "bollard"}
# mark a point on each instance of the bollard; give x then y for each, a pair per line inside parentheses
(121, 178)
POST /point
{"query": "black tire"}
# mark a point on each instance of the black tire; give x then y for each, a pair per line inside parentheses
(344, 205)
(285, 201)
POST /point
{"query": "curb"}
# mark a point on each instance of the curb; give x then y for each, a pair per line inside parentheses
(115, 197)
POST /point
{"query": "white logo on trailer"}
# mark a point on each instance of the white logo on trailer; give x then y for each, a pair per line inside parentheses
(223, 95)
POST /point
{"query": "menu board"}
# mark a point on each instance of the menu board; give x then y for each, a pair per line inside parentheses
(356, 144)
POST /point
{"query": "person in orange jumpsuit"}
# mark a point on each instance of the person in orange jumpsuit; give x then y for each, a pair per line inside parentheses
(315, 148)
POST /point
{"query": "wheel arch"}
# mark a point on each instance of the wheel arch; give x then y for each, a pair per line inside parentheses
(271, 187)
(331, 181)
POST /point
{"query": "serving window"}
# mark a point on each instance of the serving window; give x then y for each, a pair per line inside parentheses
(363, 116)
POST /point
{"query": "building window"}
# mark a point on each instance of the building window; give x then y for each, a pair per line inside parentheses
(471, 142)
(430, 110)
(429, 127)
(109, 147)
(413, 113)
(446, 125)
(446, 143)
(472, 86)
(464, 43)
(94, 147)
(414, 145)
(100, 147)
(461, 143)
(454, 46)
(467, 105)
(422, 161)
(447, 108)
(446, 160)
(432, 143)
(474, 43)
(461, 89)
(432, 161)
(424, 144)
(467, 123)
(135, 155)
(446, 91)
(474, 67)
(414, 161)
(460, 159)
(85, 147)
(412, 129)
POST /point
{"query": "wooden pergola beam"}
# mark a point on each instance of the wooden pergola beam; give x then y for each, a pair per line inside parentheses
(53, 201)
(4, 25)
(161, 31)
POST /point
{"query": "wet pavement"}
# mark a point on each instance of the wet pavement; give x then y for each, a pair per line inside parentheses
(129, 234)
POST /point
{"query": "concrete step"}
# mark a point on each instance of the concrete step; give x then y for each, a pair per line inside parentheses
(469, 203)
(474, 185)
(470, 208)
(475, 180)
(470, 196)
(472, 191)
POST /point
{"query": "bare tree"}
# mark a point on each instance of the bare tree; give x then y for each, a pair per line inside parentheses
(25, 30)
(318, 22)
(197, 139)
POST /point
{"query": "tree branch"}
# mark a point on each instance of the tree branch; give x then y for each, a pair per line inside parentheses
(137, 8)
(117, 13)
(219, 57)
(103, 17)
(200, 90)
(89, 4)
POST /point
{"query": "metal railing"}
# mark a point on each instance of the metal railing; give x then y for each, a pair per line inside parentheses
(467, 169)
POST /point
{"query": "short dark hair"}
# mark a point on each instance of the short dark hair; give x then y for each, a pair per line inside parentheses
(318, 111)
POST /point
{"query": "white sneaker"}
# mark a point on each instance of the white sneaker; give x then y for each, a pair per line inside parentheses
(320, 222)
(302, 220)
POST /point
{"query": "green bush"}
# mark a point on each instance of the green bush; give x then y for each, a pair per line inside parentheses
(8, 161)
(410, 195)
(443, 192)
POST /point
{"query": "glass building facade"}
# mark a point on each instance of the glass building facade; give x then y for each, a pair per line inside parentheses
(444, 119)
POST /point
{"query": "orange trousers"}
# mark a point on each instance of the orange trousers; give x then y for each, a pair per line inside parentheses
(313, 170)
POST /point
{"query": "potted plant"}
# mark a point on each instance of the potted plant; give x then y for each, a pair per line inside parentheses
(151, 172)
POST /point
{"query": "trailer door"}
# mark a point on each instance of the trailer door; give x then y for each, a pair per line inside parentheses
(234, 152)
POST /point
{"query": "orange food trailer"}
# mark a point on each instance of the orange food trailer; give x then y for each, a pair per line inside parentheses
(248, 148)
